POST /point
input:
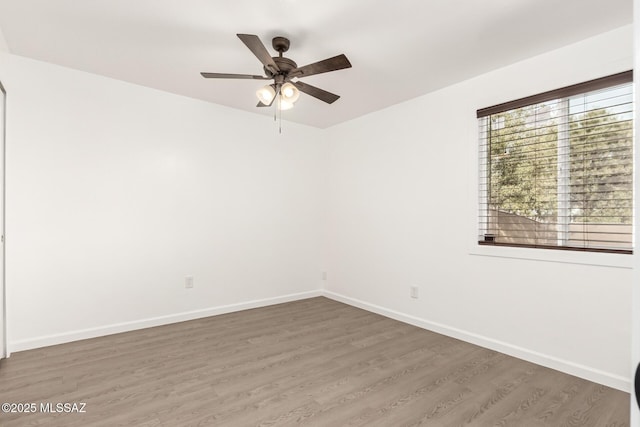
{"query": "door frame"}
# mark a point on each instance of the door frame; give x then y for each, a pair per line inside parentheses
(4, 346)
(635, 285)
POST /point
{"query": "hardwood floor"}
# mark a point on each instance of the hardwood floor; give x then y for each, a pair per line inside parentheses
(314, 362)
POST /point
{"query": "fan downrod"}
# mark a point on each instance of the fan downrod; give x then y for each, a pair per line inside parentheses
(281, 44)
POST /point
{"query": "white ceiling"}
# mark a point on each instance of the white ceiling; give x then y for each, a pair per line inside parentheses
(399, 49)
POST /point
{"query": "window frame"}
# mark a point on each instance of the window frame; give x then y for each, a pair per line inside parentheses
(562, 94)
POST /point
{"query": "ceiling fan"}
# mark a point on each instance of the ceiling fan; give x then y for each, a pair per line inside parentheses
(282, 70)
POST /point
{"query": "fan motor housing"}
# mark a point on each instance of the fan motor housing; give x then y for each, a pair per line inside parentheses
(285, 65)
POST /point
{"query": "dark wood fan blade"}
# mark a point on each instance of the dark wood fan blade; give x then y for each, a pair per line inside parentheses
(233, 76)
(255, 45)
(332, 64)
(316, 92)
(260, 104)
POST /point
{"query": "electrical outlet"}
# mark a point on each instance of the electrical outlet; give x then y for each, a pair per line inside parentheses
(188, 282)
(414, 292)
(324, 275)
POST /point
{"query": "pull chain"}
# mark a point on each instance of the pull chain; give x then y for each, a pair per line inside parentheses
(280, 108)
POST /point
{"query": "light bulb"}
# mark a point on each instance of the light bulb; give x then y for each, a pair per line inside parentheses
(289, 92)
(285, 105)
(265, 94)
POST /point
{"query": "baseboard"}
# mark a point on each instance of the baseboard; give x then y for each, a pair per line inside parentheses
(82, 334)
(586, 372)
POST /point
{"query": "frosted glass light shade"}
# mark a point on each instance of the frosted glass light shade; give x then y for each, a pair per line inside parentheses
(266, 94)
(289, 92)
(285, 105)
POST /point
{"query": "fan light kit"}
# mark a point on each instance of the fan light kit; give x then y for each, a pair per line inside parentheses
(266, 94)
(282, 70)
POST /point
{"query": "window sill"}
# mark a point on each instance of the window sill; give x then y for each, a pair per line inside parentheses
(614, 260)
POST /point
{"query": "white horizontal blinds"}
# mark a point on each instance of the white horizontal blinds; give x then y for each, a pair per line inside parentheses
(558, 173)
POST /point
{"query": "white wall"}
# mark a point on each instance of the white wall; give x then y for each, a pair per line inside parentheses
(116, 192)
(402, 211)
(3, 43)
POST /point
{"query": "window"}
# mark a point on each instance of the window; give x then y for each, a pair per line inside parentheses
(556, 169)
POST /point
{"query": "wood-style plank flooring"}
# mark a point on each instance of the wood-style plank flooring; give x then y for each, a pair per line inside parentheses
(314, 362)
